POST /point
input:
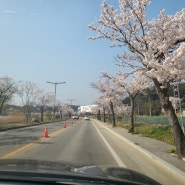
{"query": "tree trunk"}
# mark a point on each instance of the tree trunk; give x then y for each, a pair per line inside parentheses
(99, 115)
(60, 115)
(2, 103)
(1, 108)
(132, 116)
(42, 115)
(104, 115)
(179, 137)
(113, 115)
(28, 117)
(109, 115)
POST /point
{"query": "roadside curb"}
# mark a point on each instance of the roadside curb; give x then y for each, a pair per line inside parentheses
(160, 164)
(24, 126)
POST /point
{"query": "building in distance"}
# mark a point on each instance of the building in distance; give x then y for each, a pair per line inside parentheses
(87, 109)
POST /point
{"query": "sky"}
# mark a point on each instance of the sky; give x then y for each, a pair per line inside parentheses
(47, 40)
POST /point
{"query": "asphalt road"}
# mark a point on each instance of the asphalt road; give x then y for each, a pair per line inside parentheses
(79, 143)
(85, 142)
(12, 140)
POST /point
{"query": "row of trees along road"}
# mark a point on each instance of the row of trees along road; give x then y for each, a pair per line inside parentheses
(154, 50)
(148, 103)
(34, 100)
(7, 89)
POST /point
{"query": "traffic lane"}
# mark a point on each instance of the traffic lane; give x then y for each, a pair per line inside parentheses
(122, 150)
(12, 139)
(86, 146)
(134, 160)
(66, 145)
(79, 143)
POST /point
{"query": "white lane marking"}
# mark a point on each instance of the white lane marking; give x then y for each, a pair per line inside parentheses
(152, 158)
(114, 154)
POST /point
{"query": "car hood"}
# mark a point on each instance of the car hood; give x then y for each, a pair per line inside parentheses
(70, 168)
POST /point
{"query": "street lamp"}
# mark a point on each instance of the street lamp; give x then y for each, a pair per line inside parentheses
(71, 101)
(55, 83)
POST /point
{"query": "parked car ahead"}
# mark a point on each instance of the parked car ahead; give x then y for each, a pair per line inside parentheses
(75, 117)
(86, 118)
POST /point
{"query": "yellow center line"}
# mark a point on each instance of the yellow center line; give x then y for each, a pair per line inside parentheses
(10, 154)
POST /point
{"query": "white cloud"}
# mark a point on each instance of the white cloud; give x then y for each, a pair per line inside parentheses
(9, 11)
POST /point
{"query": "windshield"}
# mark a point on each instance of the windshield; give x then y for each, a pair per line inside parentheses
(86, 82)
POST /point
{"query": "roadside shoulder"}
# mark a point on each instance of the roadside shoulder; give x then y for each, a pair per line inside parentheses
(152, 148)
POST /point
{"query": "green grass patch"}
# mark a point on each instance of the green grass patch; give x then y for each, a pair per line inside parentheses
(172, 151)
(162, 133)
(155, 131)
(159, 132)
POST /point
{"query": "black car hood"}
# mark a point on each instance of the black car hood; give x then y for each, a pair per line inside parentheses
(70, 168)
(48, 166)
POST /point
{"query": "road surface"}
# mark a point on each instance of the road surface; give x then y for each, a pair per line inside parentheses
(83, 142)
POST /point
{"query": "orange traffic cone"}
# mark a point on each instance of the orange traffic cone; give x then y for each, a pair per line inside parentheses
(46, 131)
(65, 125)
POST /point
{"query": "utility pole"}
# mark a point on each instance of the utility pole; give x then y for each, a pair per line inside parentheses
(55, 84)
(177, 95)
(71, 101)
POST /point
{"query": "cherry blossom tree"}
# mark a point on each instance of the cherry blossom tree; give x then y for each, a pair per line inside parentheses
(7, 89)
(103, 105)
(98, 110)
(175, 102)
(44, 99)
(155, 47)
(61, 109)
(131, 85)
(67, 110)
(29, 93)
(111, 93)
